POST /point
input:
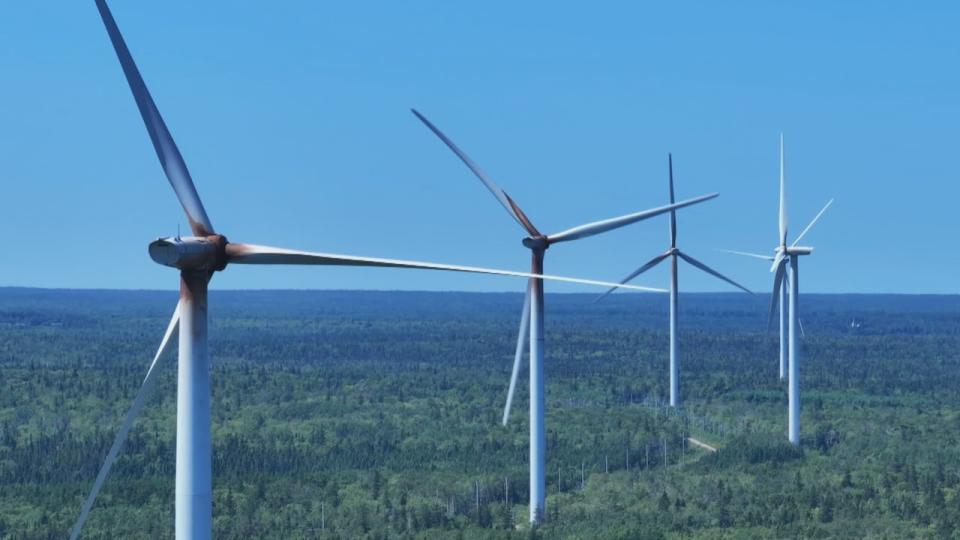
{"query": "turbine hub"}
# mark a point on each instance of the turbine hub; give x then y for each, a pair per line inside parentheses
(207, 253)
(536, 242)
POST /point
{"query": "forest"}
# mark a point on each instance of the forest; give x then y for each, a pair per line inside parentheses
(376, 415)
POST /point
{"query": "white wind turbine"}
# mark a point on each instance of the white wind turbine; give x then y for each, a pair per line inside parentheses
(198, 258)
(790, 329)
(532, 315)
(674, 253)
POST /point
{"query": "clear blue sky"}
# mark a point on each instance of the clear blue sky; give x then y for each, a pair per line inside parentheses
(293, 118)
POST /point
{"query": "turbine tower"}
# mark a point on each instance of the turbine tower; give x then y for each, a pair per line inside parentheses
(532, 315)
(787, 273)
(198, 258)
(674, 254)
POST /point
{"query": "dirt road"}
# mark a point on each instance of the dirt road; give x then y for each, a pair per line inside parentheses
(701, 444)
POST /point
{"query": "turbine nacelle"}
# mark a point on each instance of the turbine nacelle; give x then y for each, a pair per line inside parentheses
(793, 250)
(536, 242)
(204, 253)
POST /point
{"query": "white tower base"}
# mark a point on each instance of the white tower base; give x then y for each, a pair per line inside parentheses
(794, 382)
(538, 433)
(674, 361)
(194, 484)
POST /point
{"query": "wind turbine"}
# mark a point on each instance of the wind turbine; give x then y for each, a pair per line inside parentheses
(532, 315)
(198, 257)
(673, 253)
(785, 255)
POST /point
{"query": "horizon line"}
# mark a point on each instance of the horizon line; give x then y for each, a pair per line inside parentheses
(453, 291)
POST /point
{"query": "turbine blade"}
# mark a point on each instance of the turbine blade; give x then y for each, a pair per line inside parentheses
(748, 254)
(712, 272)
(512, 208)
(254, 254)
(597, 227)
(814, 220)
(518, 355)
(777, 283)
(777, 260)
(650, 264)
(673, 213)
(783, 199)
(170, 158)
(803, 332)
(132, 414)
